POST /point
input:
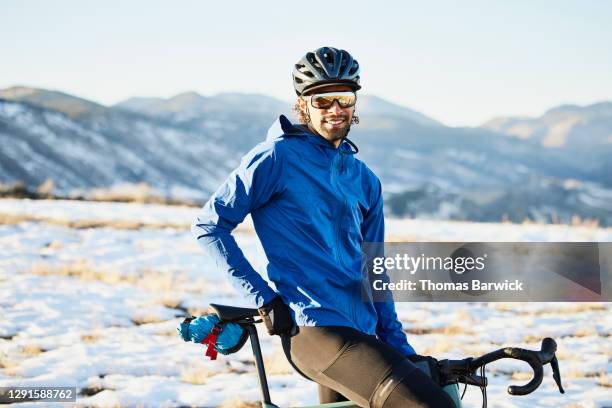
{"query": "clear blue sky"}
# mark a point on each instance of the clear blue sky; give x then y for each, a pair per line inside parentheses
(461, 62)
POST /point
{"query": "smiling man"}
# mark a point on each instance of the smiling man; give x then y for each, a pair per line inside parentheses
(313, 204)
(330, 120)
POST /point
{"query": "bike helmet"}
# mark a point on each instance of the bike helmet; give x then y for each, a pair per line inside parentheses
(325, 66)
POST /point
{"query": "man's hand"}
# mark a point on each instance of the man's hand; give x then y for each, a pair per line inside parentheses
(277, 317)
(427, 361)
(415, 358)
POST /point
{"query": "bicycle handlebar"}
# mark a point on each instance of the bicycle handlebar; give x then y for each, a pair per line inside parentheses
(535, 359)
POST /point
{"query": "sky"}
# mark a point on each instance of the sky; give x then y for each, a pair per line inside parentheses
(461, 63)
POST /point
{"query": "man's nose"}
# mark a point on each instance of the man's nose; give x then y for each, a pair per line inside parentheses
(335, 107)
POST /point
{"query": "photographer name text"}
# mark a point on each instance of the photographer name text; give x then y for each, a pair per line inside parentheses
(428, 285)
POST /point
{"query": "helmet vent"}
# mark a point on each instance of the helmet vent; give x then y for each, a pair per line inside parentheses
(325, 65)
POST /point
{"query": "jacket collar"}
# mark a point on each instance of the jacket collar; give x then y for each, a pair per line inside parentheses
(283, 127)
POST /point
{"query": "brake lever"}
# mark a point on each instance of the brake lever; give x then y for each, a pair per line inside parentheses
(556, 373)
(550, 346)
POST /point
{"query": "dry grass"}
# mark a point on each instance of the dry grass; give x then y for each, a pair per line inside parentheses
(197, 311)
(125, 193)
(146, 279)
(439, 347)
(171, 332)
(585, 331)
(7, 362)
(239, 403)
(577, 372)
(31, 350)
(576, 221)
(11, 219)
(604, 380)
(92, 390)
(55, 244)
(92, 337)
(173, 302)
(196, 373)
(447, 330)
(12, 371)
(141, 193)
(245, 228)
(9, 365)
(146, 318)
(463, 317)
(568, 308)
(566, 354)
(590, 223)
(522, 375)
(533, 339)
(14, 219)
(278, 364)
(406, 238)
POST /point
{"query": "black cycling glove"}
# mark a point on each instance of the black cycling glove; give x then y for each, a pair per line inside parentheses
(277, 317)
(428, 364)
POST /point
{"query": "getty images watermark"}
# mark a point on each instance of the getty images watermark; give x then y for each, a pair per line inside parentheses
(497, 271)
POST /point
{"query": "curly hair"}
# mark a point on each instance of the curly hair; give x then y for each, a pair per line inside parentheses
(301, 115)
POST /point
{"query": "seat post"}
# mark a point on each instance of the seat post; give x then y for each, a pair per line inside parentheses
(259, 364)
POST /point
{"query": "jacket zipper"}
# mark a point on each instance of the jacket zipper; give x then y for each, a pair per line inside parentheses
(337, 217)
(352, 300)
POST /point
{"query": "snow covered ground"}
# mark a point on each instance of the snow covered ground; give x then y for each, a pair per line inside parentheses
(91, 294)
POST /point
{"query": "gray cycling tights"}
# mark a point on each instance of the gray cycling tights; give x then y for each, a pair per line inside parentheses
(346, 362)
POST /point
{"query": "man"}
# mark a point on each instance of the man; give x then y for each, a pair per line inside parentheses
(313, 204)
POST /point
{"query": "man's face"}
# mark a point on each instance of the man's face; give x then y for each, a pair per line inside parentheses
(332, 123)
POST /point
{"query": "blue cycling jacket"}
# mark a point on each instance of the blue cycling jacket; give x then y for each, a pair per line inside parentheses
(312, 206)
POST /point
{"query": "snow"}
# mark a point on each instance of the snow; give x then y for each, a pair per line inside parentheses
(458, 231)
(98, 308)
(11, 110)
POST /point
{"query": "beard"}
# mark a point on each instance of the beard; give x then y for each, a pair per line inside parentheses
(334, 132)
(341, 133)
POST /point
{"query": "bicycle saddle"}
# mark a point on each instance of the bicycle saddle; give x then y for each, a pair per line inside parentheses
(229, 313)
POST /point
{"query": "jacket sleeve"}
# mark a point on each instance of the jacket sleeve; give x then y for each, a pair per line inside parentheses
(389, 329)
(254, 183)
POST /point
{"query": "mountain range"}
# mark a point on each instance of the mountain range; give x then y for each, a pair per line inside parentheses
(548, 168)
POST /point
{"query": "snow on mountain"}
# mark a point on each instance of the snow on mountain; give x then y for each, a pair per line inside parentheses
(191, 105)
(105, 149)
(563, 126)
(186, 145)
(582, 134)
(70, 105)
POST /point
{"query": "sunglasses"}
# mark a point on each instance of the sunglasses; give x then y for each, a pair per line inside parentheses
(326, 100)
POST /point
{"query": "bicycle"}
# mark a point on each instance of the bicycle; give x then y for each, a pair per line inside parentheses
(451, 372)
